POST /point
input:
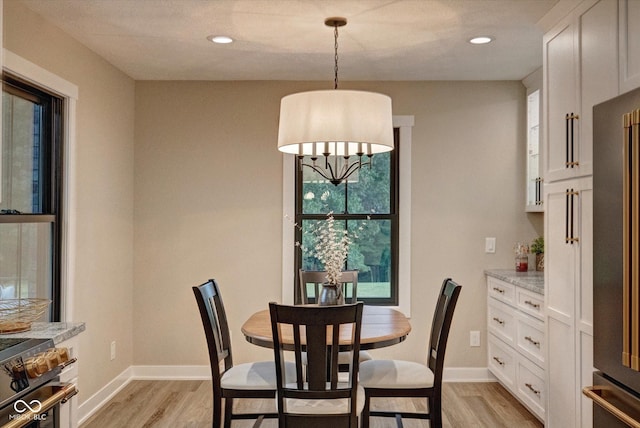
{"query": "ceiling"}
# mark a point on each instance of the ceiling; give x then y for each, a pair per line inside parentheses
(287, 39)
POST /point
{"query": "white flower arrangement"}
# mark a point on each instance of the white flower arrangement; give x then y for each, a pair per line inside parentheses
(331, 246)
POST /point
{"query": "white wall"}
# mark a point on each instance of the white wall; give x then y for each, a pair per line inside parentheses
(103, 190)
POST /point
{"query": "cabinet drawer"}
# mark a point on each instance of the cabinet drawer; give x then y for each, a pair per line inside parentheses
(530, 303)
(502, 361)
(501, 321)
(530, 338)
(531, 387)
(501, 290)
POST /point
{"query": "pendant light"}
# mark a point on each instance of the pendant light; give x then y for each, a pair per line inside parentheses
(343, 126)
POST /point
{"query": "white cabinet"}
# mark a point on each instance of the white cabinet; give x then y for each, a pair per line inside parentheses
(580, 69)
(534, 192)
(629, 45)
(569, 301)
(516, 342)
(582, 66)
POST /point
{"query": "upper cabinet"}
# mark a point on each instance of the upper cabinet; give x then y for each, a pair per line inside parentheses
(629, 45)
(534, 192)
(580, 67)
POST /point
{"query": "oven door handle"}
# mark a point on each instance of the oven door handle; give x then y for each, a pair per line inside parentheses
(597, 394)
(66, 391)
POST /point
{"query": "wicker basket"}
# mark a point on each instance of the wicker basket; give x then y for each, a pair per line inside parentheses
(16, 315)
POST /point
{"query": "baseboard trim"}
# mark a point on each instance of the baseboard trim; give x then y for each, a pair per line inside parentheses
(91, 405)
(468, 374)
(100, 398)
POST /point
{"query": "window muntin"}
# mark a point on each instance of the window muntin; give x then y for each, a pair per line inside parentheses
(369, 197)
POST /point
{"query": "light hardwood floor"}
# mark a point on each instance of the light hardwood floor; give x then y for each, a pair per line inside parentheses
(187, 404)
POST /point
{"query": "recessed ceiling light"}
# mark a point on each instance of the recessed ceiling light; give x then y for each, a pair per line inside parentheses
(220, 39)
(481, 40)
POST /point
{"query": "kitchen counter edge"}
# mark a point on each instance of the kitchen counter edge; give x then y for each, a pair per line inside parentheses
(58, 331)
(531, 280)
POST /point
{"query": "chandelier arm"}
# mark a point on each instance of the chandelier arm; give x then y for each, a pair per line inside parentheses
(351, 169)
(345, 173)
(320, 171)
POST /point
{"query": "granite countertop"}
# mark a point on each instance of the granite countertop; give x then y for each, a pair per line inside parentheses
(531, 280)
(58, 331)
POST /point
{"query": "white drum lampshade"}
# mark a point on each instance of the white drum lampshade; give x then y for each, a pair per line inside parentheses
(335, 122)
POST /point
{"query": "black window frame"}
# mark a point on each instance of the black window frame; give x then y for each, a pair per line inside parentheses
(392, 216)
(51, 154)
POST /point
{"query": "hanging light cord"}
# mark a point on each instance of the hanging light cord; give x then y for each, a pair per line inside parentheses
(335, 47)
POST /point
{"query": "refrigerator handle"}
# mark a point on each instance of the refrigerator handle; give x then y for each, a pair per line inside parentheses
(597, 394)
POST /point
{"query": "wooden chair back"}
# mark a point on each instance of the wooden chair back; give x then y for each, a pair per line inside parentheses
(440, 327)
(216, 328)
(317, 277)
(316, 331)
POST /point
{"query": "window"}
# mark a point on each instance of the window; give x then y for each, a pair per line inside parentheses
(367, 202)
(30, 194)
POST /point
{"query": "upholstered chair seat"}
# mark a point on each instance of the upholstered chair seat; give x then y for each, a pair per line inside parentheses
(390, 374)
(259, 375)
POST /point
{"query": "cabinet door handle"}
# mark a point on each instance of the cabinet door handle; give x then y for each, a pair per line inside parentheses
(572, 216)
(566, 140)
(530, 303)
(566, 217)
(499, 361)
(570, 119)
(533, 342)
(498, 320)
(535, 391)
(569, 216)
(499, 290)
(539, 191)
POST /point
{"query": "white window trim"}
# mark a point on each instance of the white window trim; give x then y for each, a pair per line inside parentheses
(405, 123)
(37, 75)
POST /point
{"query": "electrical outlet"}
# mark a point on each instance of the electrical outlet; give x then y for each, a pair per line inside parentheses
(489, 245)
(474, 338)
(113, 350)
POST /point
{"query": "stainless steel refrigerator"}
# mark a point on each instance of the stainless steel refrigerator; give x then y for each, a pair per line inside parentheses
(616, 262)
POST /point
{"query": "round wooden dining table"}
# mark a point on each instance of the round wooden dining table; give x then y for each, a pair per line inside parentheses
(381, 326)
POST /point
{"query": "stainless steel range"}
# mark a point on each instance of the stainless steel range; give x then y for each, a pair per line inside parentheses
(30, 395)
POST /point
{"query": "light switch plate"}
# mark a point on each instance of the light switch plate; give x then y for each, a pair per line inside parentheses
(489, 245)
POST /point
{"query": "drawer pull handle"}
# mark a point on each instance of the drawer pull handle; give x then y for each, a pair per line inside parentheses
(499, 361)
(498, 320)
(533, 342)
(530, 303)
(535, 391)
(499, 290)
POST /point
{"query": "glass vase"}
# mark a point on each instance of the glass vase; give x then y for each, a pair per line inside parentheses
(331, 294)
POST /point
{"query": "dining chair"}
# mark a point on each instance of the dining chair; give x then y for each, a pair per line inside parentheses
(397, 378)
(249, 380)
(314, 279)
(321, 399)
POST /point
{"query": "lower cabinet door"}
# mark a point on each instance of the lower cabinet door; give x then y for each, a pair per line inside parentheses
(531, 386)
(501, 321)
(530, 338)
(502, 362)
